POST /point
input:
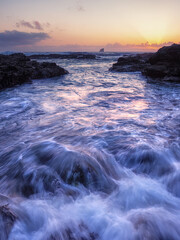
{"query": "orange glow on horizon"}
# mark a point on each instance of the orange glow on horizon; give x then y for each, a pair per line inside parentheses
(115, 25)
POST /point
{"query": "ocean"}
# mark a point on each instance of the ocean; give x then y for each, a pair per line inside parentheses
(91, 155)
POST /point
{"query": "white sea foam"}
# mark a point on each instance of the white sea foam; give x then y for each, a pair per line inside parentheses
(92, 155)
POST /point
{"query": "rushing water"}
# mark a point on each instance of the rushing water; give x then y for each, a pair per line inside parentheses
(91, 155)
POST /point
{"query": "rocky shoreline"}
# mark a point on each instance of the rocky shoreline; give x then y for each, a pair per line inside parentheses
(17, 69)
(131, 63)
(163, 65)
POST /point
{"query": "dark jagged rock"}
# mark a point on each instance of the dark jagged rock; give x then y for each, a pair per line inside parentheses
(47, 70)
(18, 68)
(63, 56)
(131, 63)
(101, 50)
(164, 64)
(169, 54)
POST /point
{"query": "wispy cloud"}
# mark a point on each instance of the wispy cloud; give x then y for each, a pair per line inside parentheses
(32, 25)
(78, 6)
(24, 24)
(16, 38)
(38, 26)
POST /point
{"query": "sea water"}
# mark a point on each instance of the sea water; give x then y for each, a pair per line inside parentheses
(91, 155)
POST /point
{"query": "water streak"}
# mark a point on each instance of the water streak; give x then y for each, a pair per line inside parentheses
(91, 155)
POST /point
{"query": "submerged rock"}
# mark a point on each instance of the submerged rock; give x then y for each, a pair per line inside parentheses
(75, 168)
(145, 160)
(17, 69)
(7, 217)
(63, 56)
(80, 232)
(155, 223)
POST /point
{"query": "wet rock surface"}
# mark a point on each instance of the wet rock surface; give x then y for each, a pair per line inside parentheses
(162, 65)
(131, 63)
(17, 69)
(63, 56)
(165, 64)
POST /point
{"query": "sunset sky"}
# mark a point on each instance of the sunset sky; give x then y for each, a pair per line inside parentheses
(87, 25)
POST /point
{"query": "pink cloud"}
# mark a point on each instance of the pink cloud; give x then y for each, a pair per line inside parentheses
(36, 25)
(136, 47)
(24, 24)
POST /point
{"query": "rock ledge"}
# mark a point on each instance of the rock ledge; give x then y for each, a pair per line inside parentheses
(18, 68)
(163, 65)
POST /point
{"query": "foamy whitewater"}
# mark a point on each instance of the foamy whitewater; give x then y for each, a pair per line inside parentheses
(93, 155)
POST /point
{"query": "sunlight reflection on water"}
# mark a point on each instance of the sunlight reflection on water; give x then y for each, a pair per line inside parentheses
(91, 155)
